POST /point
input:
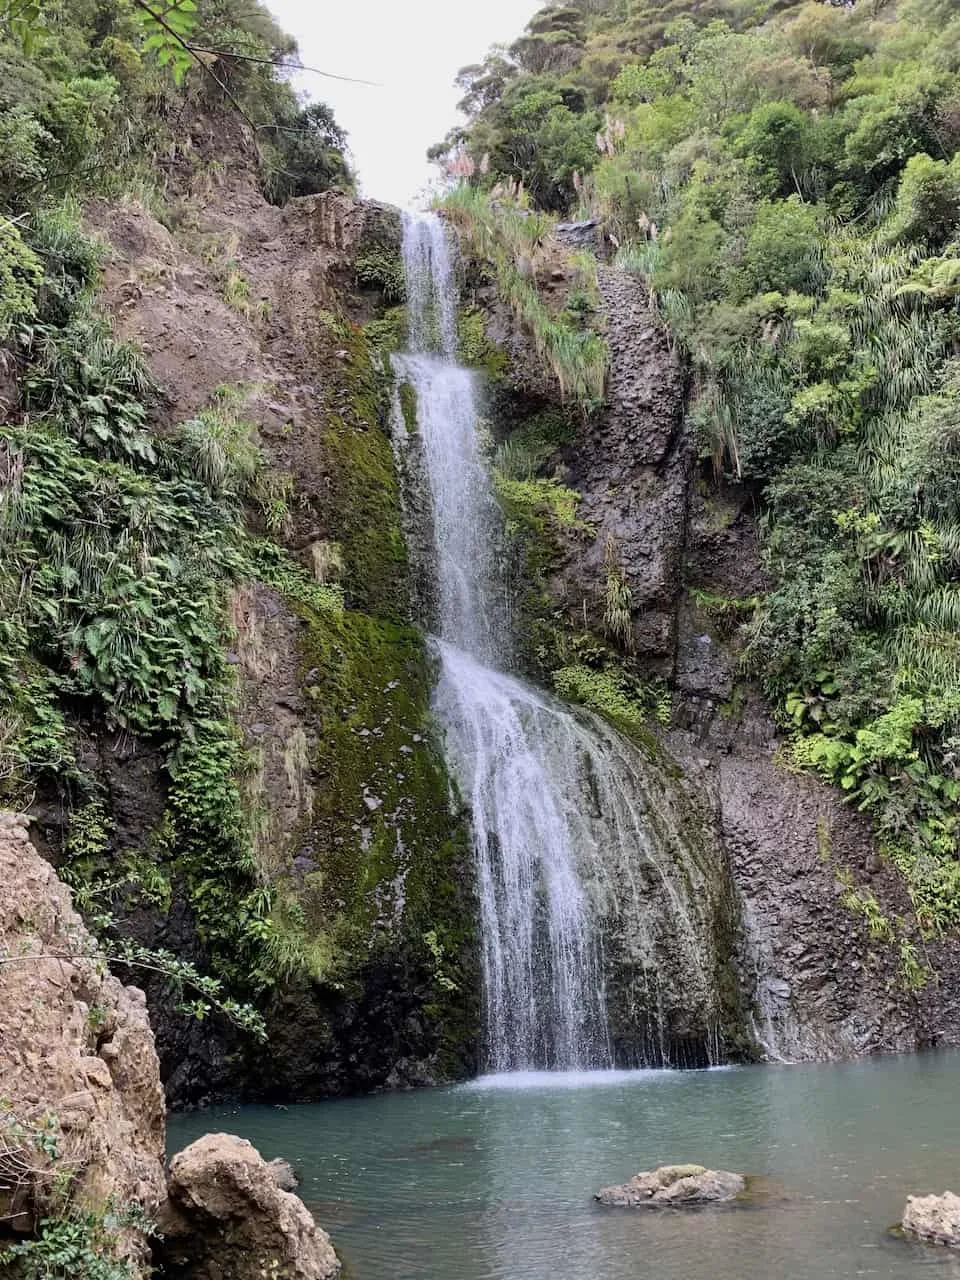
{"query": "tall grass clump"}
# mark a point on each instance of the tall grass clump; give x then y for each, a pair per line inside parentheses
(499, 231)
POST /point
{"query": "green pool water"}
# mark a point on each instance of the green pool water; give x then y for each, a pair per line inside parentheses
(493, 1180)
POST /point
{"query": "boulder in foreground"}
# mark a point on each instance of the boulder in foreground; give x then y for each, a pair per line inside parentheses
(933, 1218)
(677, 1186)
(225, 1218)
(81, 1117)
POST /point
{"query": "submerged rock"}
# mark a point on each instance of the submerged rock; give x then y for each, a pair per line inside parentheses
(677, 1185)
(933, 1218)
(225, 1217)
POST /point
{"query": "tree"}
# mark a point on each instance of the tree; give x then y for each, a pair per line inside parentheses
(783, 251)
(778, 141)
(307, 155)
(928, 201)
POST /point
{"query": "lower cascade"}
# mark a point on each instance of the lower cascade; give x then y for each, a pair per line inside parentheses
(513, 752)
(598, 925)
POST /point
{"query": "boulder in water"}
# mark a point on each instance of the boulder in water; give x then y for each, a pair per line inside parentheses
(676, 1186)
(225, 1216)
(933, 1218)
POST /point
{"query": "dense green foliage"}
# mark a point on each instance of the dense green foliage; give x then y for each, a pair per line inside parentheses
(786, 176)
(118, 550)
(96, 96)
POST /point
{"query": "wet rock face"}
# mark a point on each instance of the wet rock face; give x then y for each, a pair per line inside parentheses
(669, 924)
(226, 1218)
(631, 467)
(933, 1218)
(75, 1045)
(675, 1186)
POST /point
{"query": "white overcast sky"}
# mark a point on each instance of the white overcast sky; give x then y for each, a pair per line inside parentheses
(413, 48)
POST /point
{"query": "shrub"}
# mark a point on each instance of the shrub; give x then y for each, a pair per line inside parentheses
(20, 276)
(378, 268)
(783, 250)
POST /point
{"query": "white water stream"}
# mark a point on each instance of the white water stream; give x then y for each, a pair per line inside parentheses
(561, 828)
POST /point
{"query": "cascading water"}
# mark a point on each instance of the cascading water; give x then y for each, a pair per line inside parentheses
(562, 828)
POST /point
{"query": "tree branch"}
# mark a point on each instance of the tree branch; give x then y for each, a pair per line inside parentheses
(286, 66)
(141, 4)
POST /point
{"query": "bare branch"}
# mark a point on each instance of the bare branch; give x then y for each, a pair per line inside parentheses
(285, 66)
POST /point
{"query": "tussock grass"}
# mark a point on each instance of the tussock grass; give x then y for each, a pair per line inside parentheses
(509, 237)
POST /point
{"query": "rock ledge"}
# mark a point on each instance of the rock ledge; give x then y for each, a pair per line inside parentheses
(677, 1186)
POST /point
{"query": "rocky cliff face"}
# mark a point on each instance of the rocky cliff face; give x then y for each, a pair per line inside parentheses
(82, 1114)
(632, 468)
(355, 834)
(82, 1111)
(814, 981)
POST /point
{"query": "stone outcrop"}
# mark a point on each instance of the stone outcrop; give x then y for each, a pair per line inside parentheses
(675, 1186)
(81, 1096)
(631, 467)
(283, 1174)
(933, 1218)
(77, 1058)
(227, 1219)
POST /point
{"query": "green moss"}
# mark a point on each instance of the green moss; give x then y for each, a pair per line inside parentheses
(727, 613)
(475, 348)
(392, 874)
(541, 518)
(529, 502)
(408, 406)
(604, 693)
(363, 495)
(387, 332)
(394, 855)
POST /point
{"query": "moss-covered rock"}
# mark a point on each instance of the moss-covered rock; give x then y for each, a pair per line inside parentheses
(380, 872)
(379, 885)
(362, 501)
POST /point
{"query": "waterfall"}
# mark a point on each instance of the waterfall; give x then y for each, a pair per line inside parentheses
(561, 815)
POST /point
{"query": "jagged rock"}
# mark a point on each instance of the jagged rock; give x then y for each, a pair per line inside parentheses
(631, 466)
(77, 1057)
(676, 1186)
(225, 1218)
(283, 1175)
(933, 1218)
(582, 235)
